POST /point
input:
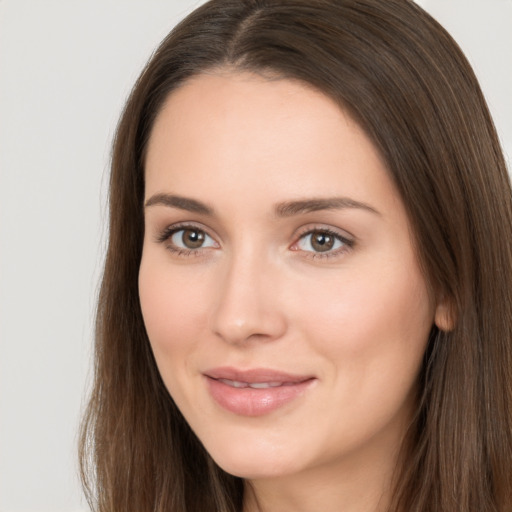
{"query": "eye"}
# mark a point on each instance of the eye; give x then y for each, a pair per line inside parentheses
(191, 238)
(186, 240)
(323, 242)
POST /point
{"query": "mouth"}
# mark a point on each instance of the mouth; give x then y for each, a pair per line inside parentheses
(254, 385)
(255, 392)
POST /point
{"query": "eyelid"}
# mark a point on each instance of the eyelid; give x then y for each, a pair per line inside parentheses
(346, 238)
(164, 237)
(163, 234)
(341, 235)
(338, 232)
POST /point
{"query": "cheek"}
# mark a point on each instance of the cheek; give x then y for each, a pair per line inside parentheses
(172, 312)
(372, 334)
(374, 325)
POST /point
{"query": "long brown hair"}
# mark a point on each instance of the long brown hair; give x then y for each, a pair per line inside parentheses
(404, 79)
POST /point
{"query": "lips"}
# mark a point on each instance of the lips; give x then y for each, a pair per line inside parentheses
(255, 392)
(253, 385)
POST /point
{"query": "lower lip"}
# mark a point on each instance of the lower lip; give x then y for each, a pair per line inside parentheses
(255, 402)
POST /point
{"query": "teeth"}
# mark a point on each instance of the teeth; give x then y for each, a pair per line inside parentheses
(254, 385)
(264, 385)
(234, 383)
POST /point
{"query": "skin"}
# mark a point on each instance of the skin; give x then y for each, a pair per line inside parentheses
(258, 294)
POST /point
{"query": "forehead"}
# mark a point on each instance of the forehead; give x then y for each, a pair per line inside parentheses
(251, 109)
(238, 134)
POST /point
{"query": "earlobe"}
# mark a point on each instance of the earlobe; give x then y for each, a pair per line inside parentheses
(444, 317)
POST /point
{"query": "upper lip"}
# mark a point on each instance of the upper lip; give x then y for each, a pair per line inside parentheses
(254, 375)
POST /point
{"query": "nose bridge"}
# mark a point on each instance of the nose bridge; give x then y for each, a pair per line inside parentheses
(247, 303)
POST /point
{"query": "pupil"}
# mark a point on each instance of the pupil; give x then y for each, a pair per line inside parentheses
(322, 242)
(193, 239)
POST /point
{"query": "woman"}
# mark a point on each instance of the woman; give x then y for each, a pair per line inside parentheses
(306, 302)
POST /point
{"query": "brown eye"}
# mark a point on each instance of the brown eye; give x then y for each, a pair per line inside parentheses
(322, 241)
(191, 238)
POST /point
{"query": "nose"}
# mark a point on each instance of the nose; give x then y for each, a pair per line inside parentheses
(248, 305)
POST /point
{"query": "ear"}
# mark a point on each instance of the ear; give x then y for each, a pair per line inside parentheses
(444, 317)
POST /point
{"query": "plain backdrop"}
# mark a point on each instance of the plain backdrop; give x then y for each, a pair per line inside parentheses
(66, 67)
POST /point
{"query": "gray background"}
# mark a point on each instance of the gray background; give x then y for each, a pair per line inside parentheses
(65, 69)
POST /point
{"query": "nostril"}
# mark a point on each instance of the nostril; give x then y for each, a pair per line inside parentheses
(239, 324)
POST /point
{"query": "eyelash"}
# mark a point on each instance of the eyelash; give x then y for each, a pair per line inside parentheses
(170, 231)
(348, 244)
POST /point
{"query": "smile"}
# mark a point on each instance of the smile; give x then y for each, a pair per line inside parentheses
(254, 392)
(254, 385)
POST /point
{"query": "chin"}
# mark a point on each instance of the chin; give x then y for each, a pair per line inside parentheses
(253, 470)
(254, 461)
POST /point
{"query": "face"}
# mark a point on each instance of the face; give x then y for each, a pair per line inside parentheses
(279, 284)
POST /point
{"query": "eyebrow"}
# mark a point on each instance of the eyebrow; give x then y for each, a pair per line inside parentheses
(284, 209)
(290, 208)
(180, 202)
